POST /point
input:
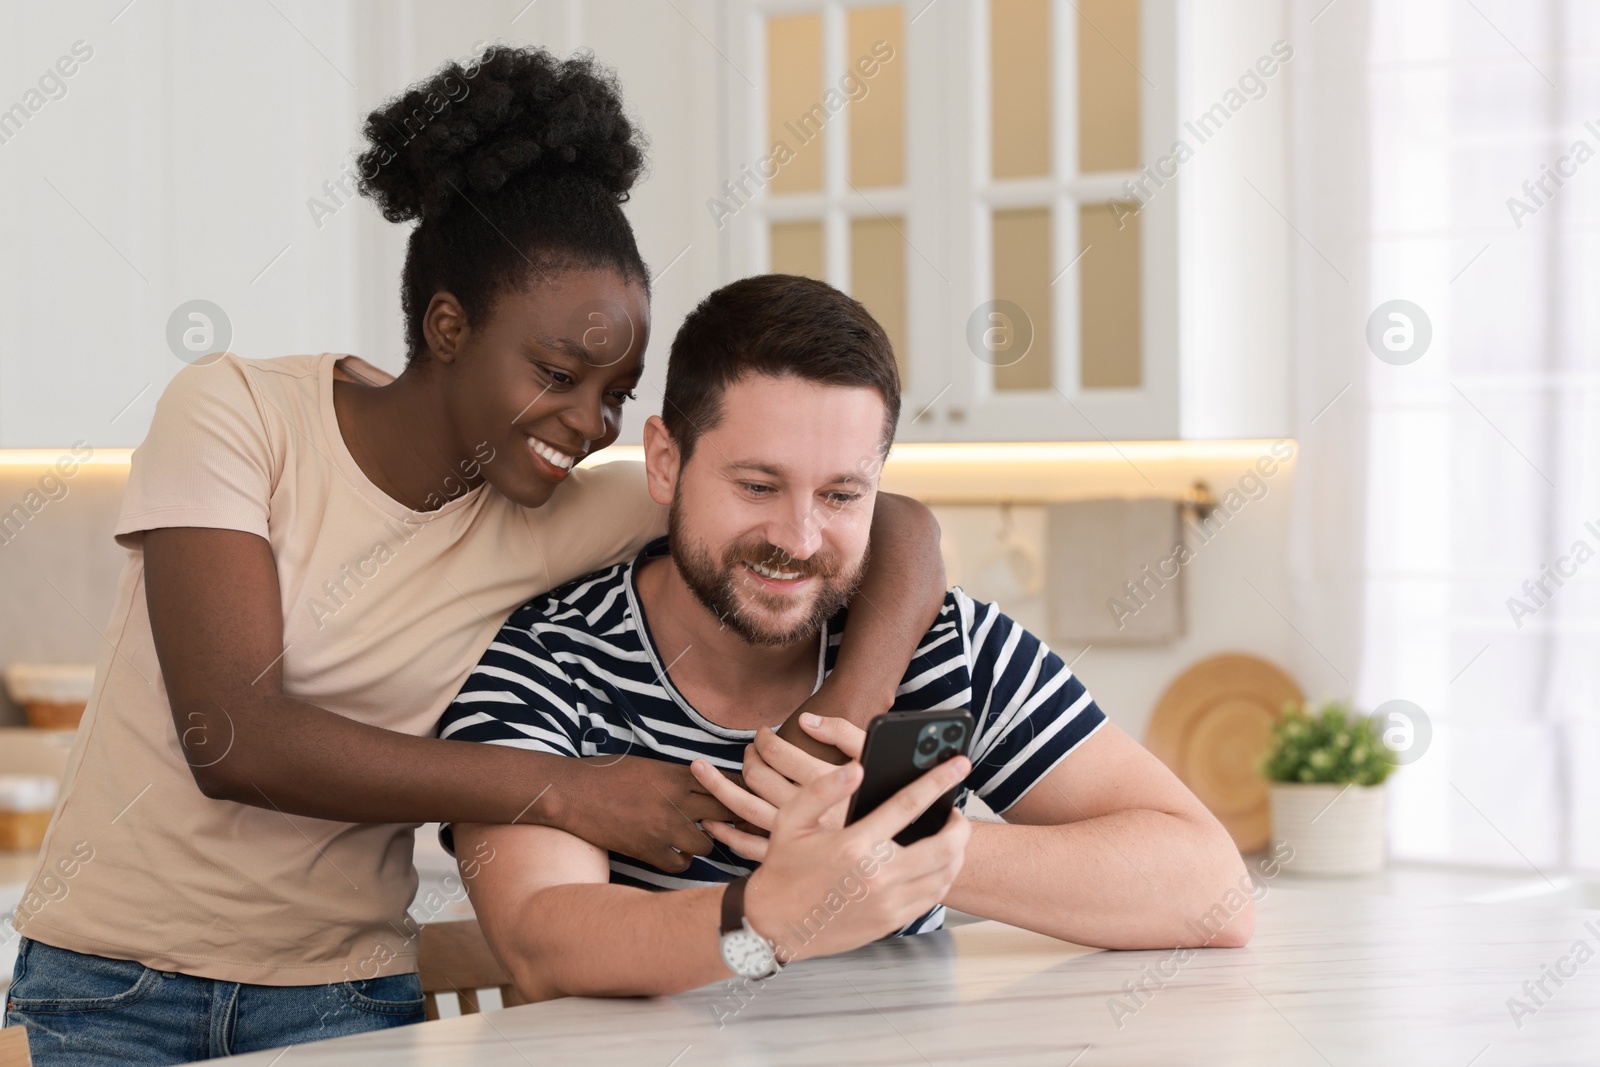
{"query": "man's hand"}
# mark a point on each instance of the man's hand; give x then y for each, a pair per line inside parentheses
(638, 806)
(883, 885)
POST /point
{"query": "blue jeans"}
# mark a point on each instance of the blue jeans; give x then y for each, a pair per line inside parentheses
(89, 1011)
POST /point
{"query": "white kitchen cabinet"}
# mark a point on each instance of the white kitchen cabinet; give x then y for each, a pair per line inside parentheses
(983, 206)
(176, 165)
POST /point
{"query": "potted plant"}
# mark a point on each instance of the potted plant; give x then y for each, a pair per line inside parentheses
(1325, 772)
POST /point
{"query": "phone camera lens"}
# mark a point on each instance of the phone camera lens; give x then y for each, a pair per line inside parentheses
(946, 754)
(952, 733)
(927, 745)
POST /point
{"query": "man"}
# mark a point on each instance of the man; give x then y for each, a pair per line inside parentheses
(780, 405)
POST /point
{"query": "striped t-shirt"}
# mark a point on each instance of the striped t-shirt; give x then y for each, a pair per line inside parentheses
(575, 672)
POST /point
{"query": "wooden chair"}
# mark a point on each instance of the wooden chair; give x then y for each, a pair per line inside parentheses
(453, 957)
(14, 1047)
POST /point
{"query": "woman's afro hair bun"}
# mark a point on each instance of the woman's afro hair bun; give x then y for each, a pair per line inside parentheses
(508, 115)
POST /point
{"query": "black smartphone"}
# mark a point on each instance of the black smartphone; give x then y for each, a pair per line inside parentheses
(901, 747)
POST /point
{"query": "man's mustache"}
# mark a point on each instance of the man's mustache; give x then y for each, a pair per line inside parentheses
(765, 554)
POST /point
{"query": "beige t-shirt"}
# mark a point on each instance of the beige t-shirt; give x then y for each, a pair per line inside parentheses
(386, 612)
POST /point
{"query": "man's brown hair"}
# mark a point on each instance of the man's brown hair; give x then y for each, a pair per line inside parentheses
(778, 325)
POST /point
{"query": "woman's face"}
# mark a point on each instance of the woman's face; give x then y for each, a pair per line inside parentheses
(542, 383)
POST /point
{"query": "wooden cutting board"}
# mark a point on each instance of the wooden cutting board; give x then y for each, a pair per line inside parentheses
(1212, 725)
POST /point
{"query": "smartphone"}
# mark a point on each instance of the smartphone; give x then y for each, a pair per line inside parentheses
(901, 747)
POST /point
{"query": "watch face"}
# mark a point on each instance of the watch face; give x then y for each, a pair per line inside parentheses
(746, 954)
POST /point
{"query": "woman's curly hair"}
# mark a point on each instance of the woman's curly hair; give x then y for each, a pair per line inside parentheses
(514, 164)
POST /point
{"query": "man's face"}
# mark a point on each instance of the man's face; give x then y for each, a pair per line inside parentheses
(770, 516)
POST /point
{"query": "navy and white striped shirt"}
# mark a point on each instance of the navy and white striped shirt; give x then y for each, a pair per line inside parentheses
(575, 672)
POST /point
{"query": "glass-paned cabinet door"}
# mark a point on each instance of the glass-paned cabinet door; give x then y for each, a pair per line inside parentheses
(961, 168)
(833, 126)
(1067, 285)
(823, 110)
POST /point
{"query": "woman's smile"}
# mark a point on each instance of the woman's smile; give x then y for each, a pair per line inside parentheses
(550, 461)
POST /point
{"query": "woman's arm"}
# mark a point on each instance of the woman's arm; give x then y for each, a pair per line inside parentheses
(899, 598)
(217, 621)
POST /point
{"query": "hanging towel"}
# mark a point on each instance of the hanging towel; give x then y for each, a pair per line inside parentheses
(1114, 570)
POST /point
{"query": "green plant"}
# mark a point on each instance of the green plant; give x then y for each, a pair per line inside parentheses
(1327, 745)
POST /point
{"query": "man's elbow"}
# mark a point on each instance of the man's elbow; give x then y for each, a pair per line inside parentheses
(1241, 926)
(537, 971)
(533, 984)
(1229, 901)
(529, 966)
(1224, 921)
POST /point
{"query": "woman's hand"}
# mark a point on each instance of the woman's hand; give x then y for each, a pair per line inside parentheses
(640, 807)
(840, 735)
(774, 773)
(792, 732)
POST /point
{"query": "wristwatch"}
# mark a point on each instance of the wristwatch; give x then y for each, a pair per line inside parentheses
(746, 952)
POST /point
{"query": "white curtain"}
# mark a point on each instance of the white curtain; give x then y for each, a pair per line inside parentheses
(1431, 491)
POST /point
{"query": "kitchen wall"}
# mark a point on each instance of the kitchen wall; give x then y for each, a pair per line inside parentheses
(59, 568)
(1224, 613)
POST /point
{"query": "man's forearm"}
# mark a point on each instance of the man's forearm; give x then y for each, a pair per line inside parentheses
(1137, 879)
(612, 940)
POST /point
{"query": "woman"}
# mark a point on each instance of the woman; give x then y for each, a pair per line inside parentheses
(316, 564)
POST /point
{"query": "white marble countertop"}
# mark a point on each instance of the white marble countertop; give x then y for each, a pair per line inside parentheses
(1331, 978)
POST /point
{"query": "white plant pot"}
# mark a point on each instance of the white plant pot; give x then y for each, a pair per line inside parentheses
(1333, 829)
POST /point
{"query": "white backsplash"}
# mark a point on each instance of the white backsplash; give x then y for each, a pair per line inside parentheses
(989, 549)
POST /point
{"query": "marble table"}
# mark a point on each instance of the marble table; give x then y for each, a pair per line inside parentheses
(1331, 979)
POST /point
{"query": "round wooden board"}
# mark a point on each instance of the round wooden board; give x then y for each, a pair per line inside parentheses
(1211, 726)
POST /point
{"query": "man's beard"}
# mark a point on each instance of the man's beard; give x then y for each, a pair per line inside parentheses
(717, 586)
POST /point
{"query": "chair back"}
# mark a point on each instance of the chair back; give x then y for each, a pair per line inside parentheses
(14, 1047)
(453, 957)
